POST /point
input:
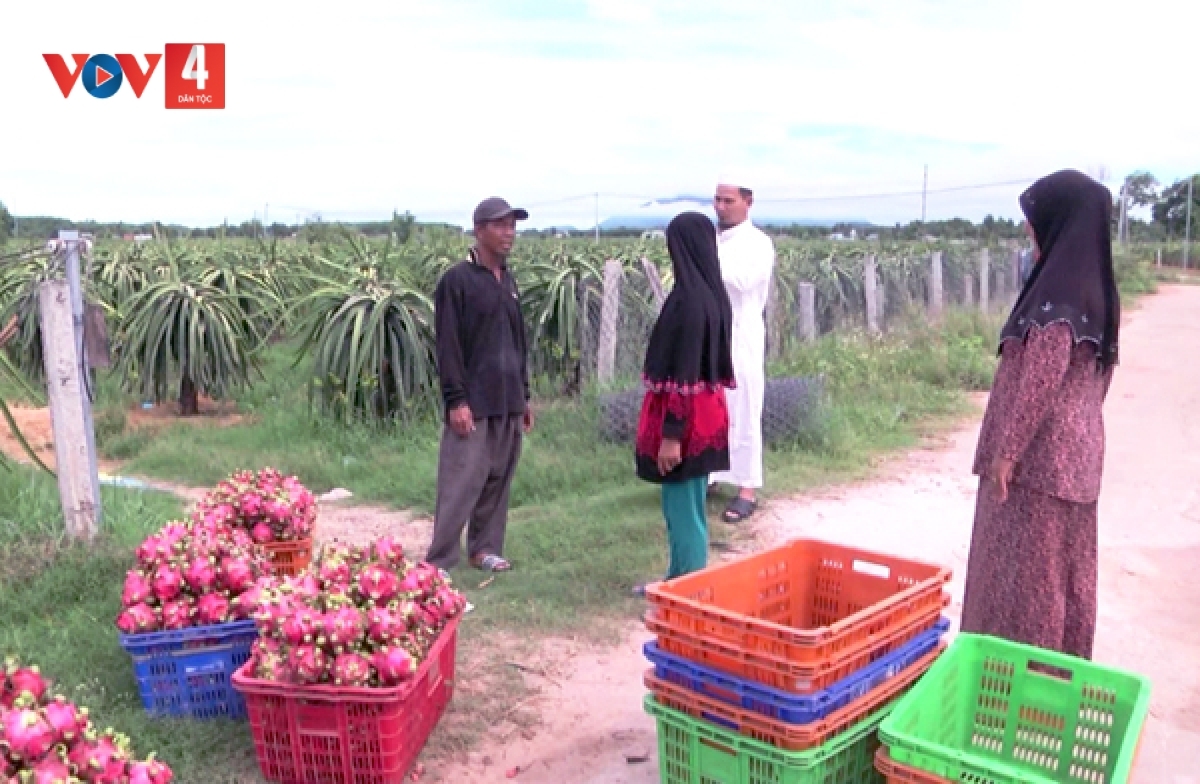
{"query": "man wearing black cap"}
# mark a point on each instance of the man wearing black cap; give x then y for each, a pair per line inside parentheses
(481, 355)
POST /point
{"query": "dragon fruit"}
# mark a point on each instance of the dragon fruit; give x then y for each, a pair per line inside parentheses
(394, 665)
(302, 626)
(50, 769)
(411, 584)
(137, 589)
(377, 584)
(247, 604)
(351, 669)
(200, 575)
(212, 608)
(309, 663)
(167, 583)
(343, 628)
(67, 721)
(236, 575)
(152, 551)
(306, 586)
(22, 682)
(177, 614)
(262, 533)
(101, 760)
(137, 619)
(385, 625)
(390, 552)
(150, 771)
(27, 734)
(334, 574)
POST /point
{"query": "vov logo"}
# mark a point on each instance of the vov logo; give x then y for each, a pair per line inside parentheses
(194, 74)
(103, 74)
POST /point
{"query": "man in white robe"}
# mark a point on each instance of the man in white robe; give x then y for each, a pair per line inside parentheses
(747, 262)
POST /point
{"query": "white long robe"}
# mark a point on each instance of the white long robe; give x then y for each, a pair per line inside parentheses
(747, 263)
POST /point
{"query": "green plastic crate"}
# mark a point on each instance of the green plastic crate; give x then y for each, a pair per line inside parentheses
(981, 715)
(696, 752)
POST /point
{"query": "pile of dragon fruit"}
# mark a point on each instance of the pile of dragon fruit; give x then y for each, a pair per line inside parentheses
(270, 506)
(193, 574)
(357, 617)
(46, 740)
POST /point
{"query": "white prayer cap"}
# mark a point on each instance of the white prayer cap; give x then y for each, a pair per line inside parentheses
(739, 178)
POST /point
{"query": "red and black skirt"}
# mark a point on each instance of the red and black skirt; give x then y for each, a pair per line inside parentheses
(699, 419)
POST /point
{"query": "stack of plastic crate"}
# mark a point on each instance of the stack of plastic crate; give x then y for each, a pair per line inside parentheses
(779, 667)
(992, 710)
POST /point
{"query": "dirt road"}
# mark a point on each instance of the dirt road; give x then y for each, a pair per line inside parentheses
(922, 506)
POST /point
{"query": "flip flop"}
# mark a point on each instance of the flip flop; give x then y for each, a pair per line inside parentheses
(740, 509)
(493, 563)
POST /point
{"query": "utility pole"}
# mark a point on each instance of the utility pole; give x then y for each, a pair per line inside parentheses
(924, 188)
(69, 392)
(597, 216)
(1187, 227)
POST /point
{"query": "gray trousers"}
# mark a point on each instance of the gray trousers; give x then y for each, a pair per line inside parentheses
(474, 477)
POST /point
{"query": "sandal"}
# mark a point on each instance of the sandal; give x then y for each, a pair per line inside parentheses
(492, 563)
(640, 589)
(740, 509)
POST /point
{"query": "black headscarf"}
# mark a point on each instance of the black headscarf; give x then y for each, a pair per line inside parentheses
(1073, 280)
(690, 346)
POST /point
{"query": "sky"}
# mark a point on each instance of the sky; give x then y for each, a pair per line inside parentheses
(830, 109)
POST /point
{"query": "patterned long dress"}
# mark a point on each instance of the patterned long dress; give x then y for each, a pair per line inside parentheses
(1032, 569)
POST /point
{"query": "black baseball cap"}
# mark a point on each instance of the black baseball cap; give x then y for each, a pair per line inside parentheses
(496, 208)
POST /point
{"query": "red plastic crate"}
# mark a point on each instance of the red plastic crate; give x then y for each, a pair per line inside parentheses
(805, 602)
(785, 735)
(780, 673)
(336, 735)
(290, 558)
(895, 773)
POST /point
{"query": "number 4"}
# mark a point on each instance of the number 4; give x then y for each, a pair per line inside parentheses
(193, 69)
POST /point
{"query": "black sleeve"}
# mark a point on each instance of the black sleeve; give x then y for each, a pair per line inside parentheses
(451, 369)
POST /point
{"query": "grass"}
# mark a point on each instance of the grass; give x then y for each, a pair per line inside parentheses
(57, 604)
(582, 528)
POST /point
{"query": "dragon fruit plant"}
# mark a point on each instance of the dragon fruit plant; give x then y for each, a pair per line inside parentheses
(44, 739)
(268, 505)
(192, 574)
(357, 617)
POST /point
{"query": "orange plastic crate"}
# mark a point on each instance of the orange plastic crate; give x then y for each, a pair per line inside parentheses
(288, 559)
(781, 673)
(789, 737)
(337, 735)
(895, 773)
(807, 601)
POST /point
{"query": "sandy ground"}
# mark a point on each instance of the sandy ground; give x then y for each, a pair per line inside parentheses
(922, 507)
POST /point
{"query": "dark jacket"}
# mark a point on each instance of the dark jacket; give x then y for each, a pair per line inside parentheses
(481, 348)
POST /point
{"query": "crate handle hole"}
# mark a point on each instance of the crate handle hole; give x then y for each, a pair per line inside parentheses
(873, 569)
(1050, 671)
(718, 747)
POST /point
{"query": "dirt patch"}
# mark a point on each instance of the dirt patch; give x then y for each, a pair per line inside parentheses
(36, 426)
(212, 414)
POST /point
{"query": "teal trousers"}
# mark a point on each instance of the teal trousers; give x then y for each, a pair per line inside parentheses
(687, 525)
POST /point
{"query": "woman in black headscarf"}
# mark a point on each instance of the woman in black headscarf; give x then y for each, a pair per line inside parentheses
(683, 431)
(1032, 570)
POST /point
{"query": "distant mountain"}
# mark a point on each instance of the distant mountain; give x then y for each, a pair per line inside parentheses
(649, 222)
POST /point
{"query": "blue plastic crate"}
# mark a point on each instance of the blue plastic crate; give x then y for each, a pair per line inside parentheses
(781, 705)
(189, 673)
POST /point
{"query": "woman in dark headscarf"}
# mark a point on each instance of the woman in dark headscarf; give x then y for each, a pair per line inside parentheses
(683, 431)
(1032, 570)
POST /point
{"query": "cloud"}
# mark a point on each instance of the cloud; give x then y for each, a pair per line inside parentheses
(429, 107)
